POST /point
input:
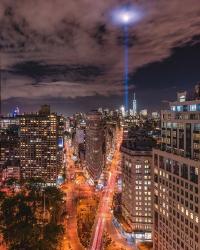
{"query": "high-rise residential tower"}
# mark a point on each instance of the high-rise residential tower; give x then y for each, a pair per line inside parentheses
(177, 176)
(41, 144)
(9, 140)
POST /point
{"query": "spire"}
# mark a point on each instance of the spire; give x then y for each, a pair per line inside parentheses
(134, 105)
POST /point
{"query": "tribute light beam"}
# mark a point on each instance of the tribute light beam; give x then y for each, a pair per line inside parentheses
(125, 17)
(126, 65)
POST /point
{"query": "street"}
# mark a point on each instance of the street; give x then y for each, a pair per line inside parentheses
(105, 204)
(71, 240)
(75, 188)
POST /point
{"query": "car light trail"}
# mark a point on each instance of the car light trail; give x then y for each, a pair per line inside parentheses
(105, 203)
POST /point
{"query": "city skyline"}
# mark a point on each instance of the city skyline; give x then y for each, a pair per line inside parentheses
(74, 61)
(99, 125)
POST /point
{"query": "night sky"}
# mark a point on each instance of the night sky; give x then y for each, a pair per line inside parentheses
(69, 54)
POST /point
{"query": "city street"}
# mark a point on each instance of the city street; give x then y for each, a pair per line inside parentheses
(71, 240)
(76, 187)
(104, 216)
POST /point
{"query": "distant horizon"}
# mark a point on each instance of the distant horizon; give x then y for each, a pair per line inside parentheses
(35, 110)
(163, 105)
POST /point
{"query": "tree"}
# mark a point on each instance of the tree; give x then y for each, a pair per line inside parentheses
(2, 197)
(34, 188)
(11, 182)
(54, 202)
(21, 227)
(53, 234)
(107, 241)
(18, 223)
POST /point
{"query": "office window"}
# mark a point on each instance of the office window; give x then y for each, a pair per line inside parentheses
(173, 108)
(179, 108)
(193, 107)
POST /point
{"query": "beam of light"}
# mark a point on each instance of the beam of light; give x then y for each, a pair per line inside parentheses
(126, 15)
(126, 80)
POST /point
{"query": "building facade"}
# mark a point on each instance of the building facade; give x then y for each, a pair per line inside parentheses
(11, 172)
(95, 144)
(41, 145)
(9, 140)
(137, 188)
(110, 139)
(176, 177)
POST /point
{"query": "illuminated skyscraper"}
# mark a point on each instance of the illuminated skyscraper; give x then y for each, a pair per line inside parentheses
(16, 112)
(176, 176)
(95, 144)
(134, 106)
(123, 111)
(9, 142)
(144, 113)
(41, 145)
(137, 184)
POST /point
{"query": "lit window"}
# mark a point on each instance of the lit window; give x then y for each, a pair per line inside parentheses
(173, 108)
(179, 108)
(193, 107)
(182, 98)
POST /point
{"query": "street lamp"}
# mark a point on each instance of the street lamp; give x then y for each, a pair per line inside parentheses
(126, 16)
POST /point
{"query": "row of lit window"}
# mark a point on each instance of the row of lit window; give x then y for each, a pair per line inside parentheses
(192, 107)
(143, 220)
(143, 214)
(191, 215)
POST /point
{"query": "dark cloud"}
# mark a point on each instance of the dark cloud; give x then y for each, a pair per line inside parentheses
(41, 72)
(66, 44)
(100, 34)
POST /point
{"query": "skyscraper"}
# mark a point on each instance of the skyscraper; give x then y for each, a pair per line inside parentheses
(134, 106)
(9, 140)
(137, 185)
(95, 144)
(176, 177)
(41, 144)
(123, 111)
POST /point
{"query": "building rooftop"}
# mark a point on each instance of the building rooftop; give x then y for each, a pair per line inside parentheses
(185, 96)
(139, 145)
(138, 140)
